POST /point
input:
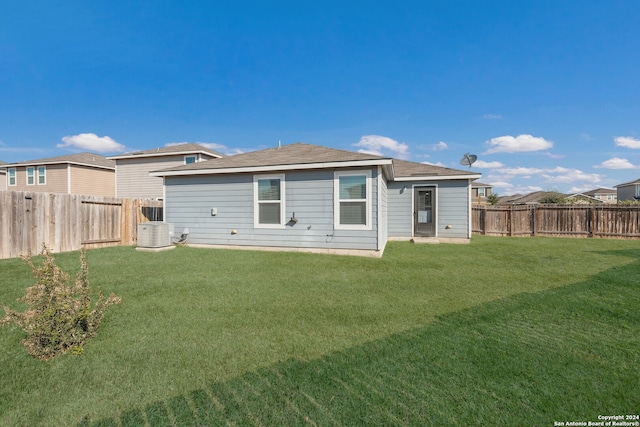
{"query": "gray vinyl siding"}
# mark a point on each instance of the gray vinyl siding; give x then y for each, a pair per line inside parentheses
(133, 179)
(452, 208)
(189, 200)
(627, 192)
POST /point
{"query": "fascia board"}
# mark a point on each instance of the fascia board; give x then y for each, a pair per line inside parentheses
(165, 154)
(435, 177)
(13, 165)
(273, 168)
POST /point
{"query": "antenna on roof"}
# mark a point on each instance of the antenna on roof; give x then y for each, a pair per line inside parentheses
(468, 159)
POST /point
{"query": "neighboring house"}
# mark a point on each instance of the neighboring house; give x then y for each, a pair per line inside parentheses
(607, 195)
(480, 192)
(132, 169)
(523, 199)
(82, 173)
(599, 195)
(3, 176)
(308, 197)
(583, 199)
(628, 190)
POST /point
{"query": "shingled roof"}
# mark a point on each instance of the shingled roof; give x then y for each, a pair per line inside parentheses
(309, 156)
(405, 169)
(83, 159)
(186, 148)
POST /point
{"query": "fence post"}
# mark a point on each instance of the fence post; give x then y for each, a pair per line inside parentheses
(510, 221)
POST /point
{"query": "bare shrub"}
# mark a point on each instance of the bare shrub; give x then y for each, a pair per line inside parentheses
(59, 317)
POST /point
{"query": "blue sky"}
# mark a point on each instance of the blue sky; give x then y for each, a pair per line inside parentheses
(545, 93)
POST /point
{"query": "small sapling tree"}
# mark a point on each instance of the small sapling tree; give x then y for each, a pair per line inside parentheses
(59, 317)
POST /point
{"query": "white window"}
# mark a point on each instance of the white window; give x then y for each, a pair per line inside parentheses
(637, 190)
(12, 176)
(190, 159)
(482, 191)
(352, 200)
(31, 175)
(268, 196)
(42, 175)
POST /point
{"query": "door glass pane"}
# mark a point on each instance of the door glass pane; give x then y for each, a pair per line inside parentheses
(424, 217)
(353, 213)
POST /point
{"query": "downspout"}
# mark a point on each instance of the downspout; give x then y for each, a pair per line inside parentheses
(379, 211)
(469, 231)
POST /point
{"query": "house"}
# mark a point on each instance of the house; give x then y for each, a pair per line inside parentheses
(583, 199)
(523, 199)
(597, 196)
(607, 195)
(480, 192)
(3, 176)
(132, 169)
(314, 198)
(628, 190)
(82, 173)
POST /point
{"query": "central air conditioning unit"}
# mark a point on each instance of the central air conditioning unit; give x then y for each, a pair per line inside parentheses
(154, 234)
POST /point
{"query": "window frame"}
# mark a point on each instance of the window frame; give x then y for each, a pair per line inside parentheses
(482, 191)
(195, 159)
(637, 190)
(43, 175)
(31, 175)
(257, 202)
(9, 177)
(367, 200)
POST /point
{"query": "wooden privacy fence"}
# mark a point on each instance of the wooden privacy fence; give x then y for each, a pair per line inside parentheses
(613, 221)
(68, 222)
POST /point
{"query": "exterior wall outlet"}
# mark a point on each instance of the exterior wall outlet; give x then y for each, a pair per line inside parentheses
(214, 211)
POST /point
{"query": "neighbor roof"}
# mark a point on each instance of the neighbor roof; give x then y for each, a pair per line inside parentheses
(82, 159)
(599, 191)
(412, 171)
(186, 148)
(309, 156)
(637, 181)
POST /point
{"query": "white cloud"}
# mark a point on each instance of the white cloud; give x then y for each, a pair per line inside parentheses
(501, 184)
(521, 172)
(434, 164)
(616, 163)
(91, 142)
(491, 116)
(209, 145)
(557, 175)
(518, 144)
(564, 175)
(483, 164)
(376, 144)
(507, 189)
(627, 141)
(440, 146)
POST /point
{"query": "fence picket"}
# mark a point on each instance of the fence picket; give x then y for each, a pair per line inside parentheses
(66, 222)
(611, 221)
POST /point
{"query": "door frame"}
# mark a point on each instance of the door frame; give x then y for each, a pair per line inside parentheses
(414, 191)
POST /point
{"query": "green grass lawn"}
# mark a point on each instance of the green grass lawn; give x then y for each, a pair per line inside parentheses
(503, 331)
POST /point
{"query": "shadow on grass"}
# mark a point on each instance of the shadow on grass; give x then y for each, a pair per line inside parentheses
(567, 354)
